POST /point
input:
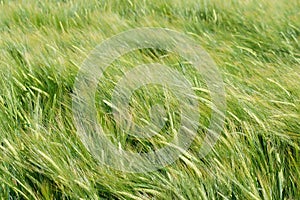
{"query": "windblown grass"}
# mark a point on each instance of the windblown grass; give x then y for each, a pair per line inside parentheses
(256, 46)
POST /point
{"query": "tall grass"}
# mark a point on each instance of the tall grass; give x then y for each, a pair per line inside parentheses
(256, 47)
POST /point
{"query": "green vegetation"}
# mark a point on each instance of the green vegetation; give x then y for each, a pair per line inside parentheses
(256, 47)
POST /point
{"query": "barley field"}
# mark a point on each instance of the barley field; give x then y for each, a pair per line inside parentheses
(255, 45)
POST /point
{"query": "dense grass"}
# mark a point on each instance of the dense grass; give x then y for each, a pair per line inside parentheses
(256, 47)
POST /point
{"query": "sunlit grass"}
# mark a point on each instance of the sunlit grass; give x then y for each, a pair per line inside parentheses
(256, 47)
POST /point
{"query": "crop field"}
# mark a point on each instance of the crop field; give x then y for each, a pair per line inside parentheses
(255, 45)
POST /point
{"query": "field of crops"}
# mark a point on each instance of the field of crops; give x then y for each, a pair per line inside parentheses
(256, 47)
